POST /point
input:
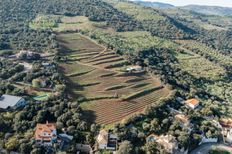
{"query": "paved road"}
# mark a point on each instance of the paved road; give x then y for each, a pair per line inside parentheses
(204, 148)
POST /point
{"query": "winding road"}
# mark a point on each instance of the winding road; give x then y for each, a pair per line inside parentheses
(204, 148)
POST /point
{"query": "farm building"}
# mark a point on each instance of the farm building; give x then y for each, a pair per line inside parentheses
(45, 134)
(167, 141)
(11, 102)
(106, 140)
(135, 69)
(192, 103)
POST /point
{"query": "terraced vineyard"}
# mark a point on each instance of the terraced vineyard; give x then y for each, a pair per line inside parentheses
(97, 77)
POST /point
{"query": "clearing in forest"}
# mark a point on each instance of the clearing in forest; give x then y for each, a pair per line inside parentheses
(97, 78)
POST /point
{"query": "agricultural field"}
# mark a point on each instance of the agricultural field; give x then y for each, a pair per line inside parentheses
(131, 41)
(79, 23)
(62, 23)
(97, 77)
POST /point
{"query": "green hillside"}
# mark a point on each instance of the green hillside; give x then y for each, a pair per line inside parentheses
(211, 10)
(88, 67)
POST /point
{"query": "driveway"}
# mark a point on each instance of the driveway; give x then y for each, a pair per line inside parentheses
(204, 148)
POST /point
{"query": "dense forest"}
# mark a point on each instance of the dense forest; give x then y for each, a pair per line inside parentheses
(14, 26)
(95, 10)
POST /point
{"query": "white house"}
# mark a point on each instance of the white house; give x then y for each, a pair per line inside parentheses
(227, 135)
(11, 102)
(226, 125)
(106, 140)
(167, 141)
(192, 103)
(47, 65)
(228, 138)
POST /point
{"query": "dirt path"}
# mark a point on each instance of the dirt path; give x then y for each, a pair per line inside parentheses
(86, 37)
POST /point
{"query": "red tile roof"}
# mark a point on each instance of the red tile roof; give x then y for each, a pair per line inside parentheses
(44, 128)
(192, 101)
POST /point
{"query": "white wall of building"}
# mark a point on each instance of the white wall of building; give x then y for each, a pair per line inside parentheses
(208, 140)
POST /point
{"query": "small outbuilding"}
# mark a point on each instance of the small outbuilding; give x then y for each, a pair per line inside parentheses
(136, 68)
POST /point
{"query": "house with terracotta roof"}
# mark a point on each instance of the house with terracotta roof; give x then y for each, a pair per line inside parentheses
(46, 134)
(106, 140)
(167, 141)
(192, 103)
